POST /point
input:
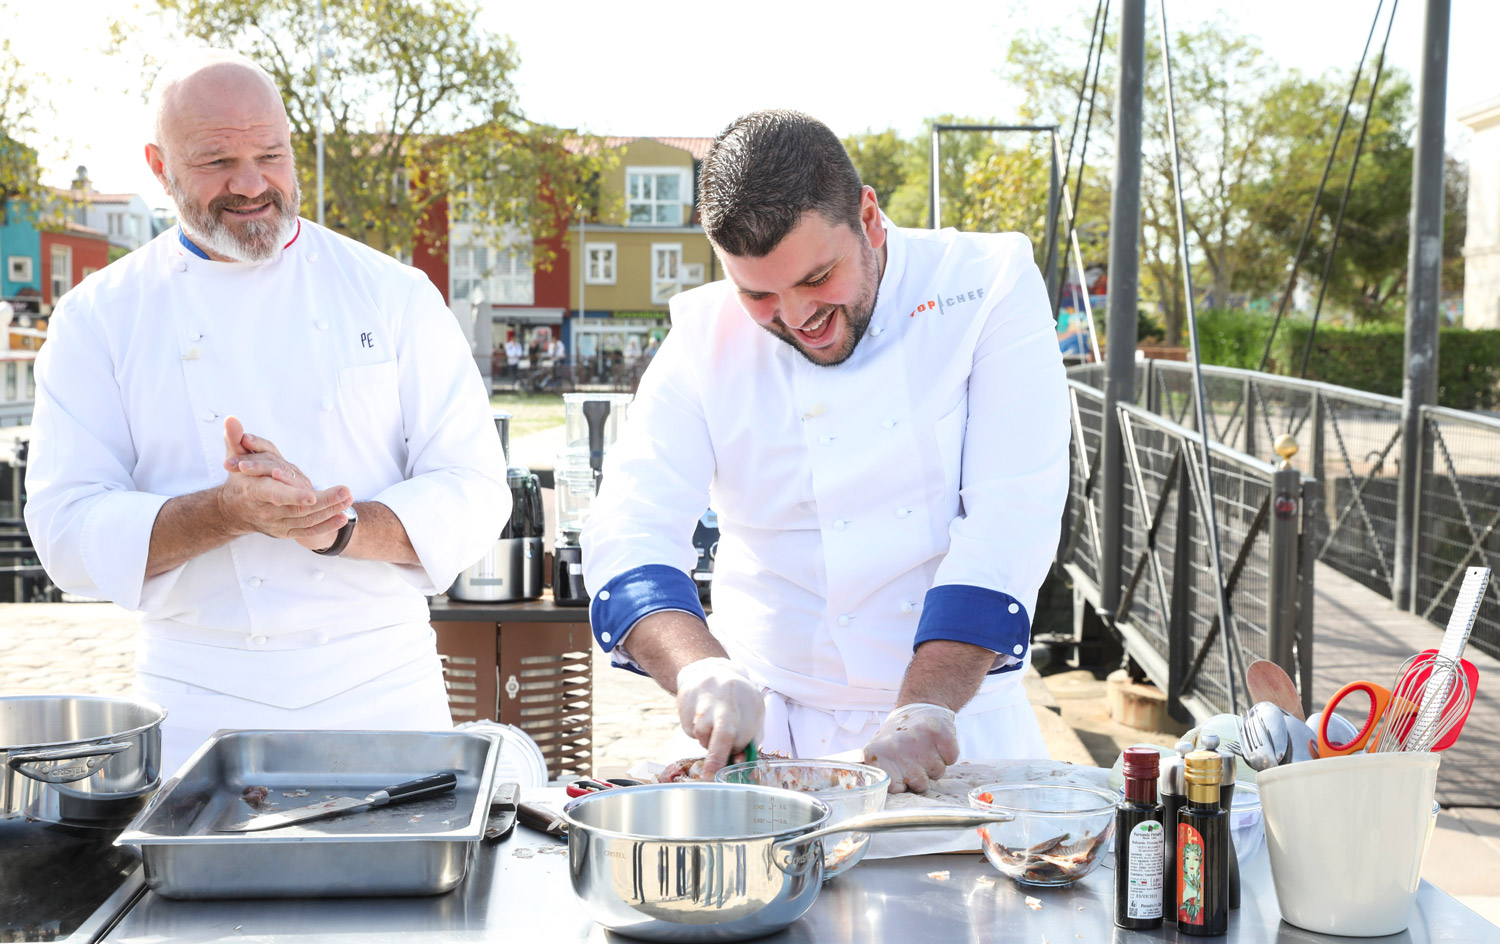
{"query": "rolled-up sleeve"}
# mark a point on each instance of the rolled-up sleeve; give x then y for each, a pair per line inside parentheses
(454, 501)
(638, 544)
(89, 524)
(1014, 479)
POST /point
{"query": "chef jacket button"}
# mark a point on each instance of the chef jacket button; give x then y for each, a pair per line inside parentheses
(181, 265)
(1014, 608)
(312, 257)
(195, 336)
(1019, 649)
(844, 620)
(840, 524)
(888, 424)
(207, 416)
(327, 404)
(317, 575)
(825, 440)
(907, 607)
(254, 581)
(322, 325)
(258, 640)
(321, 639)
(604, 637)
(875, 331)
(604, 595)
(902, 512)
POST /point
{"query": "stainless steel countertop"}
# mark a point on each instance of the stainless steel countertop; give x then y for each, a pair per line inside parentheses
(517, 893)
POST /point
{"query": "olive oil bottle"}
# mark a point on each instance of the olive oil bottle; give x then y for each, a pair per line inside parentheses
(1140, 844)
(1202, 903)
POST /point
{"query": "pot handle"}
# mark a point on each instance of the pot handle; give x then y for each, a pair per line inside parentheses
(35, 764)
(794, 863)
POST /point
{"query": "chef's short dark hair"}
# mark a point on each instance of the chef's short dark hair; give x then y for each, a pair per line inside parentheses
(764, 172)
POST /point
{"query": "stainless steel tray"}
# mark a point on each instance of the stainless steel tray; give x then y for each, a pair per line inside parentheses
(417, 848)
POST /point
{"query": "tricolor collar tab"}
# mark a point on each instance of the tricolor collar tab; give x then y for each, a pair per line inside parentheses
(192, 247)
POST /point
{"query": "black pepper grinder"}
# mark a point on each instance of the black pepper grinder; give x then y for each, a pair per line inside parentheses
(1211, 742)
(1139, 844)
(1203, 850)
(1173, 788)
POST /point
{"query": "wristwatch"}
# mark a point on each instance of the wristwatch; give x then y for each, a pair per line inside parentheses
(341, 540)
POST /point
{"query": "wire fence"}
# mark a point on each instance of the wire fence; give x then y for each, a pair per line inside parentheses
(1349, 443)
(1458, 517)
(1169, 612)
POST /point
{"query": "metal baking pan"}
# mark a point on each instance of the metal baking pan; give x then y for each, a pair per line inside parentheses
(422, 847)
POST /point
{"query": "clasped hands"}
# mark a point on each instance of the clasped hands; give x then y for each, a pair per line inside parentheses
(266, 494)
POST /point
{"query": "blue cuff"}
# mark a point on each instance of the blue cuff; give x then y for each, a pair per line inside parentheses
(638, 593)
(979, 617)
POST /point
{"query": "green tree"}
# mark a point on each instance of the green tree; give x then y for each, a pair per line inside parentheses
(20, 184)
(419, 114)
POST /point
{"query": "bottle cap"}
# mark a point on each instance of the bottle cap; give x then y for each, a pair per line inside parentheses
(1141, 763)
(1205, 768)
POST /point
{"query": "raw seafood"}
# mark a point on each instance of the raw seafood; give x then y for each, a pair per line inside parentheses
(1051, 860)
(255, 797)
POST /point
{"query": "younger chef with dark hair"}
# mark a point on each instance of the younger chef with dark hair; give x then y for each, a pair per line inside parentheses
(879, 417)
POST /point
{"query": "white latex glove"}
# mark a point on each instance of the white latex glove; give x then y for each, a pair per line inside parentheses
(719, 705)
(916, 744)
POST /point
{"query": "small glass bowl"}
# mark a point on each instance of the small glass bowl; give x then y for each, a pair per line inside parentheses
(1246, 826)
(1060, 832)
(848, 789)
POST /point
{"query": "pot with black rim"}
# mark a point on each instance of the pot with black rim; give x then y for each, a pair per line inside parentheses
(82, 760)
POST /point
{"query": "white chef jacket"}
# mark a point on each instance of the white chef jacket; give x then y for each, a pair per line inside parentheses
(913, 492)
(345, 359)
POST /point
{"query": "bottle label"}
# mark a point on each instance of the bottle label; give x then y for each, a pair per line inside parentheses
(1189, 875)
(1147, 844)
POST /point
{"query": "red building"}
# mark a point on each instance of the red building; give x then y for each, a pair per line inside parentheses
(69, 255)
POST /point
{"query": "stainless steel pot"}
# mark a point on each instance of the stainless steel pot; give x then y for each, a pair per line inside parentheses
(713, 861)
(78, 759)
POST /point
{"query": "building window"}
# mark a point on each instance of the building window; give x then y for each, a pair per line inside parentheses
(656, 196)
(18, 268)
(666, 271)
(601, 263)
(513, 283)
(471, 264)
(133, 226)
(116, 224)
(62, 271)
(10, 380)
(31, 380)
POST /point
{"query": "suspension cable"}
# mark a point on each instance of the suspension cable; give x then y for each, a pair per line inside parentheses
(1094, 34)
(1312, 213)
(1338, 226)
(1233, 657)
(1083, 152)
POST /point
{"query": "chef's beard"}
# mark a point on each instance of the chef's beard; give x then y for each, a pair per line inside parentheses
(251, 241)
(856, 315)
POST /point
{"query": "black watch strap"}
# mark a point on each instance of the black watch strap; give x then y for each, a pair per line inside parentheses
(346, 533)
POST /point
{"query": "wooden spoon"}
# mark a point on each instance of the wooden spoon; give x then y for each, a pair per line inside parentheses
(1267, 681)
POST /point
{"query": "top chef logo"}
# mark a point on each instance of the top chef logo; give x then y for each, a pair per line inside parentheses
(948, 301)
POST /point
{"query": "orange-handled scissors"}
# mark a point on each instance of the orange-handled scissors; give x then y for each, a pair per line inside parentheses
(1380, 699)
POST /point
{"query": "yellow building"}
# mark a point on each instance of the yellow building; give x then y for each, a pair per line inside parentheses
(646, 246)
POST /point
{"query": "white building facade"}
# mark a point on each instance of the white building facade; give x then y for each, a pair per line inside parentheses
(1482, 237)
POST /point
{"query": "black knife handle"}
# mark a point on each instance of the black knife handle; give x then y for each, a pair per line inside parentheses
(426, 786)
(541, 819)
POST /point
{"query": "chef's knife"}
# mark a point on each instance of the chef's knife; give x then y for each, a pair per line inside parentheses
(411, 790)
(502, 812)
(542, 820)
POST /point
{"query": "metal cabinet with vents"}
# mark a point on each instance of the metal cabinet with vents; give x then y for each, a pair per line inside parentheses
(527, 664)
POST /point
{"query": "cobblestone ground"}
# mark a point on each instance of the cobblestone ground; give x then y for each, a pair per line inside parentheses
(89, 649)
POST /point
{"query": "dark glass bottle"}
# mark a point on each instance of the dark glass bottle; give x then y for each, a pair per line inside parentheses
(1173, 798)
(1203, 851)
(1139, 844)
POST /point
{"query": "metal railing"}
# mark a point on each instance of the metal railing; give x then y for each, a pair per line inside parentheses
(1169, 614)
(1458, 517)
(1350, 446)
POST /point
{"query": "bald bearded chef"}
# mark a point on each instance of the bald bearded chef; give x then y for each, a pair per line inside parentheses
(263, 603)
(879, 418)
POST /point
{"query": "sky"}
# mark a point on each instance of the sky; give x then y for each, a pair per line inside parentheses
(673, 68)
